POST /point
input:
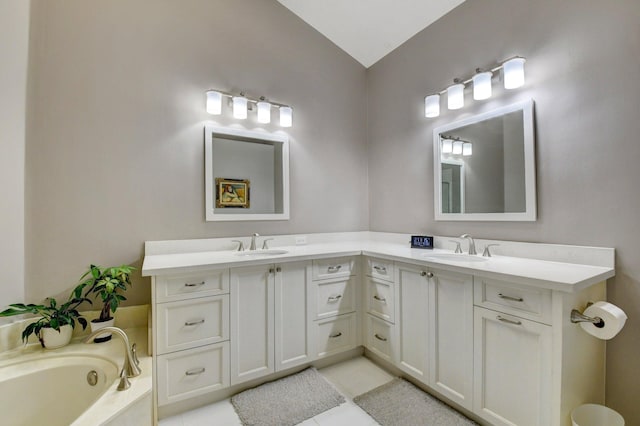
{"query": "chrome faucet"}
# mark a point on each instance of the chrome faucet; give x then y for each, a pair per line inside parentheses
(472, 244)
(130, 367)
(253, 242)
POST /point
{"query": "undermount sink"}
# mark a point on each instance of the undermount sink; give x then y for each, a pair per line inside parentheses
(452, 257)
(257, 253)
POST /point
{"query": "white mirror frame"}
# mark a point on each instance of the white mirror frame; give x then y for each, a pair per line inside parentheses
(209, 187)
(530, 213)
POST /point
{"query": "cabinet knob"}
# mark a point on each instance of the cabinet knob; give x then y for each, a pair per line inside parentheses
(194, 284)
(513, 299)
(333, 336)
(192, 323)
(333, 269)
(272, 270)
(426, 274)
(195, 371)
(379, 299)
(278, 269)
(377, 336)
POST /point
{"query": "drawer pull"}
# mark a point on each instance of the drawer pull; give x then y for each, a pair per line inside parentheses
(195, 371)
(380, 269)
(194, 284)
(192, 323)
(379, 299)
(377, 336)
(513, 299)
(333, 269)
(508, 321)
(334, 298)
(333, 336)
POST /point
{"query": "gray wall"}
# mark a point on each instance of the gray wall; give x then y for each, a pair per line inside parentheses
(582, 71)
(115, 148)
(14, 45)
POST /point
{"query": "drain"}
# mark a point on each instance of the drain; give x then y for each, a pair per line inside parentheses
(92, 377)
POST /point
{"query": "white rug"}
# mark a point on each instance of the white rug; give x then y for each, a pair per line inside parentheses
(288, 401)
(399, 403)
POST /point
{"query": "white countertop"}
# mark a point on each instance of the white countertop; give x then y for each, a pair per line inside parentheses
(555, 275)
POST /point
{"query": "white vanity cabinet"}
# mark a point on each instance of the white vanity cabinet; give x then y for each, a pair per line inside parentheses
(333, 291)
(380, 332)
(435, 329)
(268, 319)
(191, 334)
(451, 335)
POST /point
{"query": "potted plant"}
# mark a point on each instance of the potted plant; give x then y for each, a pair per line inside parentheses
(55, 325)
(107, 284)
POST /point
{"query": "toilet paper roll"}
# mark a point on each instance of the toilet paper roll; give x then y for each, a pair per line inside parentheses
(613, 317)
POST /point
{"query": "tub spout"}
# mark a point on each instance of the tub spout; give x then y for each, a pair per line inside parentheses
(130, 367)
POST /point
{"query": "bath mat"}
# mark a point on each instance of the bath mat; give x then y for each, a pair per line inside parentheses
(401, 403)
(288, 401)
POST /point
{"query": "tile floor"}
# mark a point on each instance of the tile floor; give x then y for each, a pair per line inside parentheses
(351, 378)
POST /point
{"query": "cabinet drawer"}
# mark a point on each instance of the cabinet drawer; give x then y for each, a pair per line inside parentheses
(525, 301)
(380, 268)
(179, 287)
(380, 299)
(334, 267)
(190, 323)
(334, 297)
(379, 337)
(186, 374)
(335, 335)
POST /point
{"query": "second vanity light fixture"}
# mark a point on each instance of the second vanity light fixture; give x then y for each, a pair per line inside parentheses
(456, 146)
(242, 103)
(513, 74)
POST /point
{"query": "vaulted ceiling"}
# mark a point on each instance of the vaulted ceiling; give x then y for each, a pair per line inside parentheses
(369, 29)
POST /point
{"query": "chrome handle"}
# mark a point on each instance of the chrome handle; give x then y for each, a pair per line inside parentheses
(377, 336)
(192, 323)
(508, 321)
(380, 269)
(423, 273)
(333, 336)
(240, 244)
(265, 246)
(334, 298)
(458, 248)
(378, 298)
(134, 354)
(513, 299)
(487, 252)
(195, 371)
(334, 268)
(194, 284)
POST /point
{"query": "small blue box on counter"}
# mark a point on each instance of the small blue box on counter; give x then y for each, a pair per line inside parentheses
(421, 241)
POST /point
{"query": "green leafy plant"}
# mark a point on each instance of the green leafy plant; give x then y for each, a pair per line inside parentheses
(51, 315)
(107, 284)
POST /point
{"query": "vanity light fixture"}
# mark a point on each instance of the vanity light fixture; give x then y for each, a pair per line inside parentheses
(513, 76)
(240, 107)
(447, 146)
(456, 146)
(241, 104)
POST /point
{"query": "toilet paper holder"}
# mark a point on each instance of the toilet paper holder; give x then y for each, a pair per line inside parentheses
(577, 317)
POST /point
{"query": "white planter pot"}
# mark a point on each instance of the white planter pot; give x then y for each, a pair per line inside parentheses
(97, 325)
(53, 339)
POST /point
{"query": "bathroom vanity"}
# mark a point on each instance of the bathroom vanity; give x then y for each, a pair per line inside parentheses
(491, 336)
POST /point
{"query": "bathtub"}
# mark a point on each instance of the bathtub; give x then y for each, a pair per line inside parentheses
(53, 390)
(51, 387)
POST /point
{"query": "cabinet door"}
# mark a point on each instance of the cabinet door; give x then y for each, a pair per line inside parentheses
(451, 335)
(252, 318)
(412, 300)
(292, 336)
(512, 371)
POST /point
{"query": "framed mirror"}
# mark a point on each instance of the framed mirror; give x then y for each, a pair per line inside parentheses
(484, 166)
(246, 175)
